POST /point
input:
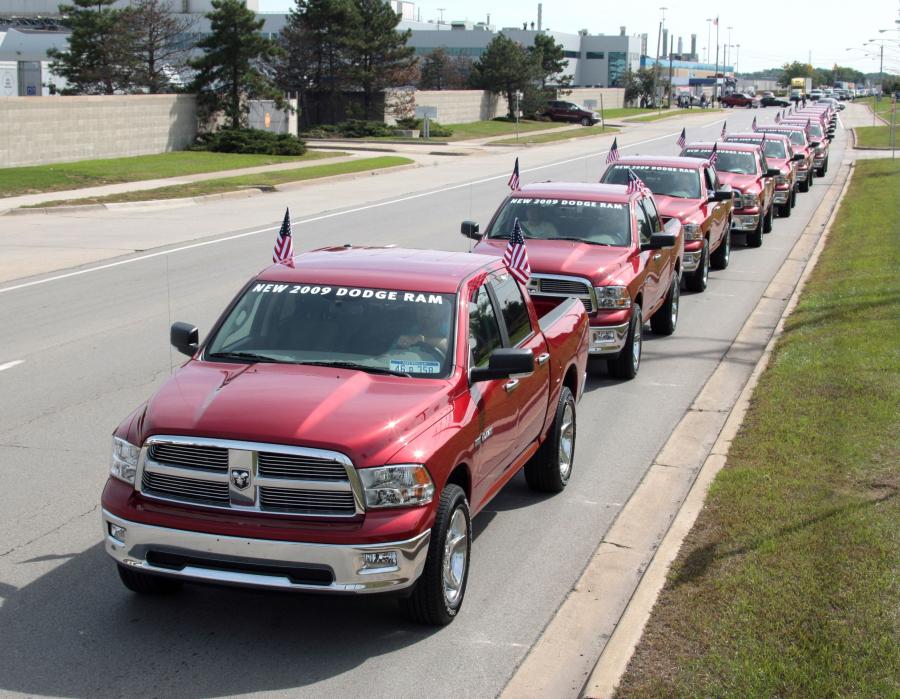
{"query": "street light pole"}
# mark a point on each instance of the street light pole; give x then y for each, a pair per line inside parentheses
(708, 36)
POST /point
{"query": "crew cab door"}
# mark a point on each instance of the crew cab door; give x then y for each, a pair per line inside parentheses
(656, 282)
(529, 393)
(718, 210)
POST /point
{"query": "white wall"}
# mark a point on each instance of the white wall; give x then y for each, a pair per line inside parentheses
(459, 106)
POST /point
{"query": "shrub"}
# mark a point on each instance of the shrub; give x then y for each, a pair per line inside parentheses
(357, 128)
(250, 141)
(434, 128)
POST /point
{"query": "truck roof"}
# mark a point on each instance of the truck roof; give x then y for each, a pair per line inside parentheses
(723, 145)
(758, 136)
(662, 161)
(576, 190)
(410, 269)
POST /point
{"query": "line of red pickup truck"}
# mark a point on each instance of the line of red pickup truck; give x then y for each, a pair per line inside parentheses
(349, 413)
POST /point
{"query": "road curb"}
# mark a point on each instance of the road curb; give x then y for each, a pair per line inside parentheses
(246, 192)
(586, 646)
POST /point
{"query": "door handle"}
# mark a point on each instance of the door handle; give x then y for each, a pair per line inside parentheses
(511, 385)
(657, 256)
(542, 358)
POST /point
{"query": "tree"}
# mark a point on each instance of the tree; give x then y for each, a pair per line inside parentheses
(504, 67)
(794, 70)
(377, 54)
(550, 61)
(313, 62)
(159, 49)
(230, 71)
(436, 69)
(97, 60)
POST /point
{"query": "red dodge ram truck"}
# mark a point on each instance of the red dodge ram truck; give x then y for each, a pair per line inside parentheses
(343, 421)
(779, 154)
(687, 189)
(604, 245)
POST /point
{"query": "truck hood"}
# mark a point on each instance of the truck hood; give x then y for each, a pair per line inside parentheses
(368, 417)
(676, 207)
(599, 263)
(745, 183)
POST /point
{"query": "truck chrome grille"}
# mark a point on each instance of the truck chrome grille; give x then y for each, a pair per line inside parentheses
(576, 287)
(249, 476)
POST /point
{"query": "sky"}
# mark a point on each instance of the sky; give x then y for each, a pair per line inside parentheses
(770, 32)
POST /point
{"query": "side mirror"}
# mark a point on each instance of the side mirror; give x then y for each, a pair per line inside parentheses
(659, 241)
(470, 230)
(798, 157)
(814, 144)
(772, 172)
(506, 363)
(185, 338)
(724, 194)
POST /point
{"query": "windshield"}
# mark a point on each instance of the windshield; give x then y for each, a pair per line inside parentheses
(797, 137)
(679, 182)
(595, 222)
(738, 162)
(772, 149)
(380, 331)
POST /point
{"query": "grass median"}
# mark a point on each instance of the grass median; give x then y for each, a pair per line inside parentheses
(57, 177)
(876, 136)
(669, 113)
(788, 583)
(582, 132)
(264, 180)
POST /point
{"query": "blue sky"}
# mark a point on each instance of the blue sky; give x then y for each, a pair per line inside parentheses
(770, 32)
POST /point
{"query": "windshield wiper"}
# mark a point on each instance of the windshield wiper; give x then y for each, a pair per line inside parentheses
(358, 367)
(250, 356)
(580, 240)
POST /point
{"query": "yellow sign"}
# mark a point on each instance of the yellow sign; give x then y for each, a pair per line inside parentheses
(268, 120)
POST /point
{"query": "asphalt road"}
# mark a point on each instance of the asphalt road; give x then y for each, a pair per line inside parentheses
(94, 345)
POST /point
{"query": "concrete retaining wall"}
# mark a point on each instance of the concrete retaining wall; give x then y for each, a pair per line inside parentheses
(459, 106)
(40, 130)
(613, 97)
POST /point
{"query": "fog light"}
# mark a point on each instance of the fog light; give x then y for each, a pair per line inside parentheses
(117, 532)
(604, 337)
(379, 561)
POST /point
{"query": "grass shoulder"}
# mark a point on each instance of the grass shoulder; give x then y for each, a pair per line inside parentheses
(873, 136)
(669, 113)
(91, 173)
(787, 584)
(582, 132)
(264, 180)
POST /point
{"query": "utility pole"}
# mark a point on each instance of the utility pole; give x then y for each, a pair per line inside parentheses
(708, 37)
(656, 62)
(671, 45)
(716, 74)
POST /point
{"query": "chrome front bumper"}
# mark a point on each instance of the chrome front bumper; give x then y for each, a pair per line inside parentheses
(237, 557)
(802, 175)
(608, 339)
(782, 196)
(690, 261)
(741, 222)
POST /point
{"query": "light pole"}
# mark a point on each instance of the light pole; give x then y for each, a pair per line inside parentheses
(708, 36)
(728, 51)
(737, 63)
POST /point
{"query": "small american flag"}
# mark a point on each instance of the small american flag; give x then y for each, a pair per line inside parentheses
(284, 243)
(714, 156)
(635, 184)
(514, 177)
(613, 152)
(724, 130)
(682, 139)
(516, 256)
(778, 118)
(808, 126)
(753, 125)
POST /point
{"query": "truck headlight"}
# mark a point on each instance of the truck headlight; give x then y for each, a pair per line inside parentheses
(613, 297)
(124, 461)
(780, 179)
(750, 200)
(399, 485)
(692, 231)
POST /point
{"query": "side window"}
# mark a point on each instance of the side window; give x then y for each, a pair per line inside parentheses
(484, 332)
(652, 215)
(512, 307)
(763, 164)
(643, 224)
(710, 179)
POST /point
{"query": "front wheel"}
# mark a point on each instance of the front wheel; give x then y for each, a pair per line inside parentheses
(663, 322)
(438, 594)
(698, 279)
(768, 219)
(628, 361)
(804, 186)
(549, 470)
(754, 237)
(585, 121)
(784, 210)
(719, 259)
(793, 197)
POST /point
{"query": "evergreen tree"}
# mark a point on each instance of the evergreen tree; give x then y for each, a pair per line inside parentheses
(436, 69)
(504, 68)
(377, 54)
(549, 61)
(231, 69)
(159, 48)
(97, 60)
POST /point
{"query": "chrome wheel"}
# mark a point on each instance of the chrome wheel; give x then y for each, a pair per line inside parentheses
(566, 442)
(676, 295)
(637, 342)
(705, 263)
(456, 557)
(727, 244)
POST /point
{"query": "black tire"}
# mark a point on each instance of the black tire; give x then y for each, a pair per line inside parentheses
(784, 210)
(549, 470)
(664, 321)
(585, 121)
(146, 583)
(697, 280)
(804, 186)
(720, 258)
(429, 603)
(754, 237)
(793, 197)
(768, 219)
(628, 362)
(812, 176)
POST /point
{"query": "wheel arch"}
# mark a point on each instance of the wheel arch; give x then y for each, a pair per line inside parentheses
(461, 475)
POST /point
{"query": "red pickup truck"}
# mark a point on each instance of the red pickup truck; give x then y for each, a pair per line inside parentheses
(806, 171)
(744, 167)
(687, 189)
(341, 424)
(739, 99)
(779, 154)
(819, 140)
(605, 246)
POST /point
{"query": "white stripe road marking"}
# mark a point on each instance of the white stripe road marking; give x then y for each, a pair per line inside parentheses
(10, 365)
(313, 219)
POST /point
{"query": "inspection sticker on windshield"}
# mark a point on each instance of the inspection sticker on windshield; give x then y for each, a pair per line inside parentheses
(408, 367)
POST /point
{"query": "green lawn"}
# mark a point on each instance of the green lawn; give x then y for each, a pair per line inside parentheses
(90, 173)
(264, 180)
(559, 136)
(875, 136)
(789, 583)
(669, 113)
(882, 107)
